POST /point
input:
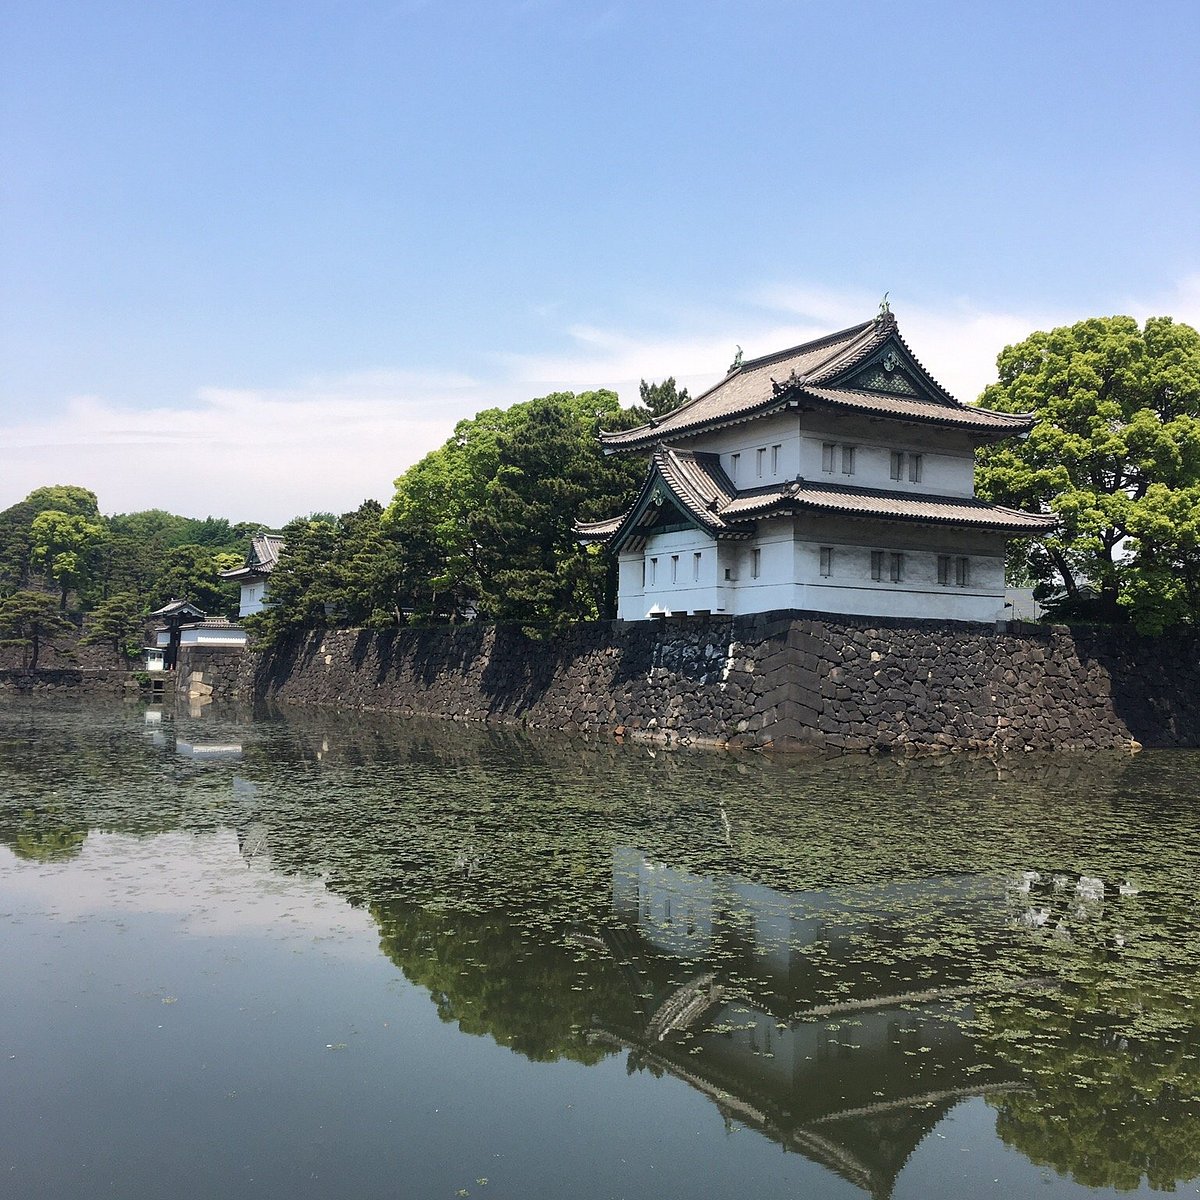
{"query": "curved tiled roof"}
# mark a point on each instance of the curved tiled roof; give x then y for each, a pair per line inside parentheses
(695, 480)
(811, 372)
(261, 560)
(911, 408)
(873, 502)
(701, 489)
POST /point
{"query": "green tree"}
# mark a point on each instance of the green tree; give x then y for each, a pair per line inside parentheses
(194, 573)
(64, 498)
(66, 546)
(118, 622)
(16, 537)
(1115, 455)
(30, 621)
(300, 586)
(658, 399)
(485, 522)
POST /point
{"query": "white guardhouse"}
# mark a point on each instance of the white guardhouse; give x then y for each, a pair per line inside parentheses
(253, 578)
(835, 477)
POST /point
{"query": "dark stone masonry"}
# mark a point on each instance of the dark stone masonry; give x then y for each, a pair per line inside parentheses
(784, 681)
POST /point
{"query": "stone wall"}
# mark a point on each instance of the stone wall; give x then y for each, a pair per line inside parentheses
(101, 681)
(207, 673)
(779, 680)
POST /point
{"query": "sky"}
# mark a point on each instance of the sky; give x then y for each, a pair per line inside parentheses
(257, 258)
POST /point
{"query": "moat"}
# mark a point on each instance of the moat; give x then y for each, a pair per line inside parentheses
(310, 955)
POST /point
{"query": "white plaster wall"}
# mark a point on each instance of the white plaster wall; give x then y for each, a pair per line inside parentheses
(253, 599)
(948, 457)
(780, 429)
(686, 594)
(790, 575)
(851, 590)
(213, 637)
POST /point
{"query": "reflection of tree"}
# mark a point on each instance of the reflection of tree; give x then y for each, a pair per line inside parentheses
(1106, 1104)
(45, 845)
(491, 976)
(793, 886)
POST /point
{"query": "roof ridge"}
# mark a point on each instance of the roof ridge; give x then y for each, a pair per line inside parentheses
(815, 344)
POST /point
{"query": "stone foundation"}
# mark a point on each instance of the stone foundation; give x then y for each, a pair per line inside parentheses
(207, 673)
(784, 681)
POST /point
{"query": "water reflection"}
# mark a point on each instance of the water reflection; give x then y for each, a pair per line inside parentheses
(834, 953)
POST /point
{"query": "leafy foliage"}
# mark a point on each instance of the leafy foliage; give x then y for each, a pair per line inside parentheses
(194, 573)
(658, 399)
(30, 621)
(486, 521)
(57, 538)
(1115, 455)
(118, 623)
(66, 546)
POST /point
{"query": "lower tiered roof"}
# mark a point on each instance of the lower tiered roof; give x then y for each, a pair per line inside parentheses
(698, 486)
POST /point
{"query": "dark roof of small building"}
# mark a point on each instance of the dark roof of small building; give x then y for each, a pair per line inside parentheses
(701, 489)
(837, 371)
(261, 559)
(175, 608)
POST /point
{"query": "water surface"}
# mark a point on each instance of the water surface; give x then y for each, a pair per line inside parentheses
(323, 956)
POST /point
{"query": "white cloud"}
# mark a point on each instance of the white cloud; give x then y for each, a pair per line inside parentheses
(243, 453)
(958, 344)
(200, 880)
(329, 442)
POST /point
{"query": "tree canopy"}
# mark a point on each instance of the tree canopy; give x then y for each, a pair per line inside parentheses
(30, 621)
(119, 566)
(1115, 456)
(486, 522)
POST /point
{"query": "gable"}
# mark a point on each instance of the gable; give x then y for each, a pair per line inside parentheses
(893, 371)
(660, 511)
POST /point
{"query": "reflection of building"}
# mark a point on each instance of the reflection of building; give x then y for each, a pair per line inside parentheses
(849, 1047)
(208, 749)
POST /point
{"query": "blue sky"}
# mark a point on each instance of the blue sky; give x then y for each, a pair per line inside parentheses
(257, 258)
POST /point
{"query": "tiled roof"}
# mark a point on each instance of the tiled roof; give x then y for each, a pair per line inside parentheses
(175, 607)
(872, 502)
(261, 560)
(264, 551)
(702, 489)
(805, 373)
(910, 408)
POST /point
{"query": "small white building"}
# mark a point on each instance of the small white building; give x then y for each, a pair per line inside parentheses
(255, 575)
(212, 631)
(834, 477)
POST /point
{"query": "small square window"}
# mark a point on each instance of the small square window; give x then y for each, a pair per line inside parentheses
(827, 449)
(962, 572)
(943, 569)
(826, 561)
(847, 460)
(914, 468)
(897, 568)
(897, 464)
(877, 565)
